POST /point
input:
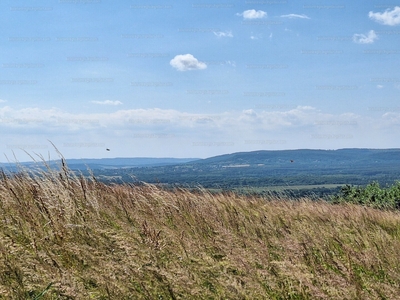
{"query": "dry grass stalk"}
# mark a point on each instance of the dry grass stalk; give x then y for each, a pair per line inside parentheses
(67, 237)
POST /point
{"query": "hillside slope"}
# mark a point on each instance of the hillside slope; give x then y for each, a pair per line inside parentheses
(274, 168)
(63, 237)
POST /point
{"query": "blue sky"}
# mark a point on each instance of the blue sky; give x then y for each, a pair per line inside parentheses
(197, 79)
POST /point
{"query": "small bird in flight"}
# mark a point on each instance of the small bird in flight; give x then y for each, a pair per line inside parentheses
(107, 149)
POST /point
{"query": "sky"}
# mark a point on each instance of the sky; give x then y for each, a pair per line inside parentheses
(196, 79)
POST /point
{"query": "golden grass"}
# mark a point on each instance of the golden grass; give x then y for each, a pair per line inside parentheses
(66, 237)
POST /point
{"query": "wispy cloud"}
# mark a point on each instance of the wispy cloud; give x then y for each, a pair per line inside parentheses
(223, 33)
(108, 102)
(388, 17)
(295, 16)
(169, 119)
(365, 39)
(149, 118)
(187, 62)
(231, 63)
(253, 14)
(163, 132)
(2, 101)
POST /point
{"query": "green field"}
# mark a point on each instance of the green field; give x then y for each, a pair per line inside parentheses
(289, 187)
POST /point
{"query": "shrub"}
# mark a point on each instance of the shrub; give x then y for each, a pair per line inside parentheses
(371, 195)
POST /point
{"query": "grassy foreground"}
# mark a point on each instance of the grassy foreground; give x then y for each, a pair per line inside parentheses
(64, 237)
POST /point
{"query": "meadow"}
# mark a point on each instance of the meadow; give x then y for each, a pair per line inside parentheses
(64, 236)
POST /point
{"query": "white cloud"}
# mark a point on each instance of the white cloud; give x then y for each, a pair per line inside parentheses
(46, 120)
(255, 36)
(379, 86)
(292, 16)
(231, 63)
(365, 39)
(253, 14)
(168, 119)
(388, 17)
(2, 101)
(167, 132)
(223, 34)
(187, 62)
(107, 102)
(154, 117)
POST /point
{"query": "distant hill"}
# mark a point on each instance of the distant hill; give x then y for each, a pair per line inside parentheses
(265, 168)
(274, 168)
(307, 157)
(106, 163)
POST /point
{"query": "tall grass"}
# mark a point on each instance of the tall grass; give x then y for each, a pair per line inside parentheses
(63, 236)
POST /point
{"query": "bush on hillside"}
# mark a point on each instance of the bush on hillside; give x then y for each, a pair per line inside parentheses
(372, 195)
